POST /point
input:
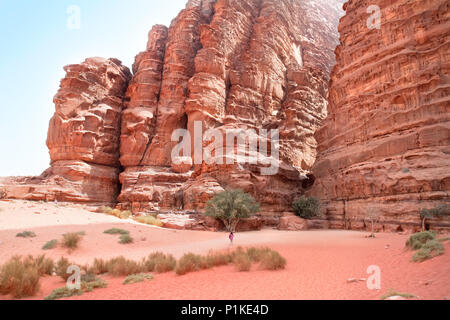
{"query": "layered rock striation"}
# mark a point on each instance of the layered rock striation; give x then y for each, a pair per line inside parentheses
(228, 65)
(384, 149)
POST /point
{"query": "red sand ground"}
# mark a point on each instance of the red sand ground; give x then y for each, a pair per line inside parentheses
(318, 262)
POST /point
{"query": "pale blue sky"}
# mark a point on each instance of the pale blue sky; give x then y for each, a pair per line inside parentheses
(37, 43)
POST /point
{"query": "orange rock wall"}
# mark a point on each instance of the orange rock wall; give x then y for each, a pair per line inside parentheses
(385, 146)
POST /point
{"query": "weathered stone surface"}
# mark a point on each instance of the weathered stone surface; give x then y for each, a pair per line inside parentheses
(386, 141)
(290, 222)
(231, 64)
(83, 137)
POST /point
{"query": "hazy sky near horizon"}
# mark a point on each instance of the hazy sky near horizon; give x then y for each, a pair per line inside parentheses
(38, 39)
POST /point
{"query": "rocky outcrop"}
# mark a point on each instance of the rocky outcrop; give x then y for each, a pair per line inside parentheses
(385, 146)
(83, 137)
(230, 65)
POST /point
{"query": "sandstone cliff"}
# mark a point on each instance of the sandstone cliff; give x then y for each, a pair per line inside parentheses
(231, 64)
(83, 137)
(385, 146)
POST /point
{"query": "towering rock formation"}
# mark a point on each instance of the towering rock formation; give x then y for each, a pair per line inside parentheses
(385, 147)
(83, 137)
(229, 65)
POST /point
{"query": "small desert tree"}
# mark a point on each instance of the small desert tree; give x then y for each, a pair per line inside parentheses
(230, 207)
(436, 212)
(373, 215)
(306, 208)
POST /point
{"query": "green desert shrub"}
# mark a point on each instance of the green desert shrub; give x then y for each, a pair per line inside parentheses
(242, 262)
(150, 220)
(188, 263)
(126, 239)
(116, 212)
(26, 234)
(99, 266)
(45, 266)
(393, 293)
(19, 277)
(256, 254)
(61, 268)
(216, 259)
(50, 245)
(230, 207)
(106, 210)
(63, 292)
(429, 250)
(116, 231)
(272, 261)
(71, 240)
(417, 240)
(160, 263)
(123, 267)
(136, 278)
(306, 208)
(86, 286)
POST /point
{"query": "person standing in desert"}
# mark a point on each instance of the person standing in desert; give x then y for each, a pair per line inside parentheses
(231, 237)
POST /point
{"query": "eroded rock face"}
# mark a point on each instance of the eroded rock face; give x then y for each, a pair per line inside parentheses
(83, 137)
(229, 64)
(385, 145)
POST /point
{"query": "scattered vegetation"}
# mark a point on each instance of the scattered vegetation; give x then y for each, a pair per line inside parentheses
(63, 292)
(123, 267)
(418, 240)
(426, 244)
(116, 231)
(150, 220)
(20, 276)
(241, 259)
(242, 262)
(272, 261)
(160, 263)
(126, 239)
(26, 234)
(230, 207)
(45, 266)
(71, 240)
(217, 259)
(50, 245)
(136, 278)
(436, 212)
(429, 250)
(393, 293)
(61, 268)
(100, 266)
(188, 263)
(306, 208)
(86, 286)
(116, 212)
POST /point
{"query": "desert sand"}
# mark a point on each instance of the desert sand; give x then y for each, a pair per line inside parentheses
(319, 263)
